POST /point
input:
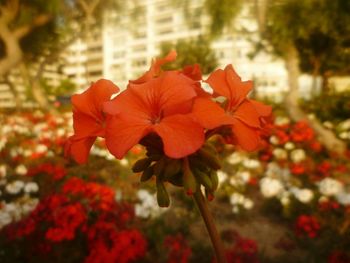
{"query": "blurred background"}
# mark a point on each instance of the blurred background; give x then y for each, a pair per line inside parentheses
(292, 196)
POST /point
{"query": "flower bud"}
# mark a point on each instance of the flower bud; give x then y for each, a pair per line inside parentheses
(162, 194)
(172, 167)
(141, 165)
(203, 178)
(210, 159)
(214, 179)
(147, 173)
(189, 181)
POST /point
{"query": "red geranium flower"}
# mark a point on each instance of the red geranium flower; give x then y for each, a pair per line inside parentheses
(161, 105)
(242, 114)
(88, 118)
(155, 68)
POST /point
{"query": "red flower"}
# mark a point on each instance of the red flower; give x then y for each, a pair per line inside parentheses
(160, 105)
(297, 168)
(88, 118)
(155, 69)
(242, 114)
(178, 249)
(307, 225)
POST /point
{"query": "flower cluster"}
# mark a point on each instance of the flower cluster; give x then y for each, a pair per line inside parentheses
(307, 225)
(170, 114)
(178, 249)
(85, 212)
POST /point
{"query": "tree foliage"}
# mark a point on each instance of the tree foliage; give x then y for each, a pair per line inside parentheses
(320, 29)
(191, 52)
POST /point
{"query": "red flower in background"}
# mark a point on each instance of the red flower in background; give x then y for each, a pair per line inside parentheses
(88, 118)
(307, 225)
(160, 105)
(178, 249)
(244, 116)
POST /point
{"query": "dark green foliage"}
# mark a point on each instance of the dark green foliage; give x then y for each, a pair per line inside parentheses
(320, 29)
(195, 51)
(221, 14)
(335, 107)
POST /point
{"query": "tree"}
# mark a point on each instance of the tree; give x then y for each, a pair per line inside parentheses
(33, 34)
(288, 24)
(191, 52)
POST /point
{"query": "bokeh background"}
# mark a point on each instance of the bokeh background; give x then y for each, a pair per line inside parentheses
(288, 202)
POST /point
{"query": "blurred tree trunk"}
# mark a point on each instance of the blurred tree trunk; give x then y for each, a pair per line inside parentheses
(327, 137)
(11, 37)
(291, 58)
(315, 74)
(36, 90)
(17, 98)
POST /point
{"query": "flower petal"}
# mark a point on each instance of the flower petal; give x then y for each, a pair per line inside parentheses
(246, 112)
(85, 126)
(123, 132)
(155, 68)
(79, 148)
(209, 114)
(180, 134)
(193, 71)
(246, 137)
(168, 90)
(90, 102)
(127, 102)
(262, 109)
(239, 89)
(217, 81)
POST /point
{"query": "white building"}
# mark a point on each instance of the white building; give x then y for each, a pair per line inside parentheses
(130, 45)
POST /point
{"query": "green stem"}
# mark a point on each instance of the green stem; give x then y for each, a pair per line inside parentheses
(209, 223)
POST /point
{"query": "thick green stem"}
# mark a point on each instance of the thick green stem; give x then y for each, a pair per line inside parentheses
(209, 222)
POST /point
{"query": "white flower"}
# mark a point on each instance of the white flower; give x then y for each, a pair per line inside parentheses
(280, 153)
(41, 148)
(344, 135)
(285, 200)
(27, 152)
(31, 187)
(328, 125)
(222, 176)
(274, 140)
(29, 205)
(21, 169)
(303, 195)
(330, 187)
(118, 195)
(148, 206)
(282, 120)
(235, 209)
(235, 158)
(237, 199)
(343, 198)
(345, 125)
(270, 187)
(248, 204)
(14, 187)
(124, 162)
(251, 163)
(5, 218)
(289, 146)
(297, 155)
(244, 176)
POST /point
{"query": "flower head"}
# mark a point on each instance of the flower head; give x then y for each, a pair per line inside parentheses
(243, 116)
(160, 105)
(89, 120)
